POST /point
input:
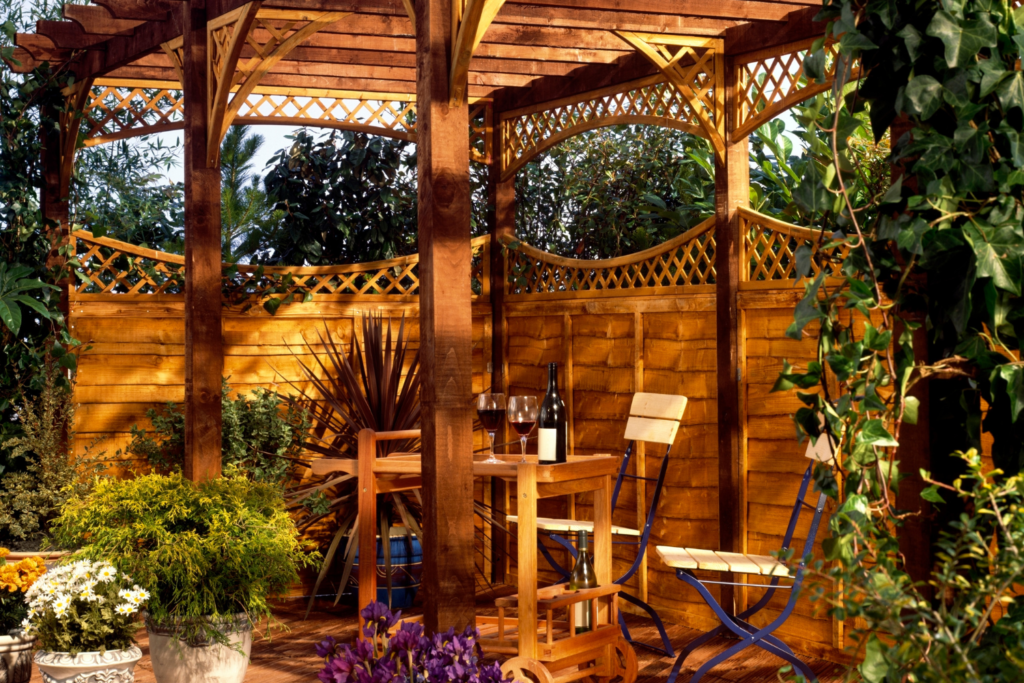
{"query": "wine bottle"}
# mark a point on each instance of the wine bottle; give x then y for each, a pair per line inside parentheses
(583, 576)
(551, 422)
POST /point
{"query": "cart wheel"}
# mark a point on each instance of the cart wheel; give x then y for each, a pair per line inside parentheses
(624, 664)
(526, 670)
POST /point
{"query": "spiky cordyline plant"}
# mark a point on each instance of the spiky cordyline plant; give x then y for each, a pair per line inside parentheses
(364, 387)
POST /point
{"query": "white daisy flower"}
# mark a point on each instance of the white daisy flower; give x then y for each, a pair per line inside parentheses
(125, 609)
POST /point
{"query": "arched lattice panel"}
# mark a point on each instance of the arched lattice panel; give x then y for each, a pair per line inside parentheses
(114, 112)
(117, 110)
(688, 259)
(770, 245)
(527, 133)
(772, 80)
(391, 116)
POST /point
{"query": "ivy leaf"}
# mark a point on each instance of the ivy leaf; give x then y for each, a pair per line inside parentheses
(1014, 376)
(911, 39)
(11, 315)
(1011, 92)
(875, 434)
(910, 409)
(924, 95)
(993, 250)
(811, 194)
(875, 668)
(807, 310)
(932, 495)
(964, 40)
(803, 260)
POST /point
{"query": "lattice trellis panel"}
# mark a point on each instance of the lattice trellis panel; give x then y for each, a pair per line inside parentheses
(115, 112)
(689, 262)
(111, 267)
(771, 253)
(394, 118)
(769, 84)
(651, 101)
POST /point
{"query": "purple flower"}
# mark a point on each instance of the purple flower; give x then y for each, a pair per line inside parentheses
(378, 619)
(328, 648)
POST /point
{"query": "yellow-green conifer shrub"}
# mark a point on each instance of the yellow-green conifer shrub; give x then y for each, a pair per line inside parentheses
(204, 551)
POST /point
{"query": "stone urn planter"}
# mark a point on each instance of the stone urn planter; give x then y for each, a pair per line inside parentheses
(15, 659)
(112, 666)
(176, 660)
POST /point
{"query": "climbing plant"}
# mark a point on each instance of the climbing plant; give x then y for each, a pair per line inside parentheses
(929, 302)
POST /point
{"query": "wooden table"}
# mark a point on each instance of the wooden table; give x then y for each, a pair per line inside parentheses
(533, 482)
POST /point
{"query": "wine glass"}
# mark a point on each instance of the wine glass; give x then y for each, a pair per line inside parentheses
(491, 409)
(522, 413)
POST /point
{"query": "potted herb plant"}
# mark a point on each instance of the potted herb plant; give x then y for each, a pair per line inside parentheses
(211, 555)
(84, 616)
(16, 646)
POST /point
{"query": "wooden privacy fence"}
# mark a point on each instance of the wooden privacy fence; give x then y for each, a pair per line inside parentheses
(644, 322)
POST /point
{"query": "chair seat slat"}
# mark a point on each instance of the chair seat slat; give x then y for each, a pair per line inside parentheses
(567, 525)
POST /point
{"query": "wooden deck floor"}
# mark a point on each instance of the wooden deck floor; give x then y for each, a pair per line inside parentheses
(288, 657)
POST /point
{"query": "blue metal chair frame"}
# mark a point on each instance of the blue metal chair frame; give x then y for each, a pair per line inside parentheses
(748, 633)
(644, 537)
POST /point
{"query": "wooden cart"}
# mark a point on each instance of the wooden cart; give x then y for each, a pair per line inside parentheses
(542, 651)
(542, 638)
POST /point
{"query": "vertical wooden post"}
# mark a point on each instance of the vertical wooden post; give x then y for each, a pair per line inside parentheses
(640, 451)
(53, 199)
(445, 327)
(367, 536)
(204, 349)
(731, 191)
(526, 506)
(501, 221)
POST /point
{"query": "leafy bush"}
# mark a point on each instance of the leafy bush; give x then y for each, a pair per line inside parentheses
(30, 499)
(15, 579)
(204, 551)
(407, 656)
(84, 607)
(262, 436)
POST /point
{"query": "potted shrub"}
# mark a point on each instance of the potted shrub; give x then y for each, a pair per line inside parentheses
(210, 554)
(407, 654)
(16, 646)
(84, 616)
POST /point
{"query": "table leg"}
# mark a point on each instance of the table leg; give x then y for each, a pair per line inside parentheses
(367, 522)
(603, 541)
(526, 498)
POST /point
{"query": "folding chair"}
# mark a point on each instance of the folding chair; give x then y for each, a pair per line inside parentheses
(686, 560)
(654, 418)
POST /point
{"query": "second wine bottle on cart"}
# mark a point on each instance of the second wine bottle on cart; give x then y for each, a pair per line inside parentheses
(551, 424)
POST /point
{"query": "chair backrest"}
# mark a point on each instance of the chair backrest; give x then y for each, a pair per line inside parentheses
(819, 450)
(655, 417)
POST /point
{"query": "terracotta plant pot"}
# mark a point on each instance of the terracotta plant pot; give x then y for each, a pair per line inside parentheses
(15, 659)
(112, 666)
(177, 661)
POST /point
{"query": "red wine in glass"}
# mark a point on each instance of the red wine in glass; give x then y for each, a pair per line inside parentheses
(522, 413)
(491, 419)
(524, 428)
(491, 410)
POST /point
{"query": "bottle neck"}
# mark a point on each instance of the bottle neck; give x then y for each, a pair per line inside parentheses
(583, 541)
(552, 378)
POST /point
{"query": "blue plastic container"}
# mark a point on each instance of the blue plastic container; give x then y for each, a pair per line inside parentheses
(406, 570)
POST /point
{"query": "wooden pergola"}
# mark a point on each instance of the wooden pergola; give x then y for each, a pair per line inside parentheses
(491, 81)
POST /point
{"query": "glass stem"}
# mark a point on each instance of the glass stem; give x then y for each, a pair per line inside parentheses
(491, 434)
(522, 440)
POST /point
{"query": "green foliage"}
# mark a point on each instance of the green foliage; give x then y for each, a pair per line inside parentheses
(208, 550)
(262, 436)
(15, 285)
(347, 198)
(33, 495)
(614, 191)
(248, 218)
(935, 259)
(120, 191)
